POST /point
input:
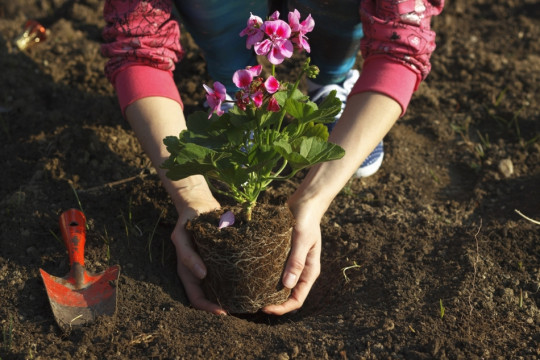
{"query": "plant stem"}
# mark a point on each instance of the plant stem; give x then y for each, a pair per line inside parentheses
(248, 209)
(269, 179)
(283, 112)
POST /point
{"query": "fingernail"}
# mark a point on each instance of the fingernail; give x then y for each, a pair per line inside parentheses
(199, 271)
(289, 280)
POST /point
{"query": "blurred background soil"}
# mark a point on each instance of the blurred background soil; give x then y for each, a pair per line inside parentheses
(426, 259)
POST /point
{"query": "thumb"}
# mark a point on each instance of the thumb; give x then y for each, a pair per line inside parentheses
(296, 263)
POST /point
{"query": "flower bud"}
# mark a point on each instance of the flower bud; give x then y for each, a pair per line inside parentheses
(312, 71)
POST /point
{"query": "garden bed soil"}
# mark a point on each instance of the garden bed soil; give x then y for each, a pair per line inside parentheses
(426, 259)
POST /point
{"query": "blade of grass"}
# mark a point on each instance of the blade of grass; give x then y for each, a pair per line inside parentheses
(78, 201)
(151, 236)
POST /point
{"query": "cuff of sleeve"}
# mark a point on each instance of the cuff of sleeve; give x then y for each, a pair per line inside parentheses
(383, 75)
(139, 81)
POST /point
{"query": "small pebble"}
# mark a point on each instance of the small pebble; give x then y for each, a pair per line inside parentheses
(506, 167)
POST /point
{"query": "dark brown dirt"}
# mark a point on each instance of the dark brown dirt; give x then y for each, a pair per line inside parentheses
(436, 225)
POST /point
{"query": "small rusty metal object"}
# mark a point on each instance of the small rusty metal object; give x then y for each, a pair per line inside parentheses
(33, 33)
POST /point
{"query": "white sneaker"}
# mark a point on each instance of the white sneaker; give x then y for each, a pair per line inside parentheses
(318, 93)
(372, 163)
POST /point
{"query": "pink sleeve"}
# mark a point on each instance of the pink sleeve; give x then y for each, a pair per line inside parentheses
(397, 46)
(143, 45)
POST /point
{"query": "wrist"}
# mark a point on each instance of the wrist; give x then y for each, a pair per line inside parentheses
(191, 192)
(308, 206)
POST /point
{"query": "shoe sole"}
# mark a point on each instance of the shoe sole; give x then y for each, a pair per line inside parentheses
(370, 169)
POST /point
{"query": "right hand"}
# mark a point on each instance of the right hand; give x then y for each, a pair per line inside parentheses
(190, 266)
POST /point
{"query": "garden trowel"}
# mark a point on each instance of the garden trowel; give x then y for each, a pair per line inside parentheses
(79, 297)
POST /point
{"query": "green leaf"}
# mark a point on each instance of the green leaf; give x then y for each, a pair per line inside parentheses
(305, 112)
(295, 130)
(268, 118)
(235, 137)
(242, 121)
(214, 133)
(232, 176)
(319, 131)
(173, 144)
(192, 159)
(304, 152)
(300, 110)
(199, 123)
(328, 109)
(282, 96)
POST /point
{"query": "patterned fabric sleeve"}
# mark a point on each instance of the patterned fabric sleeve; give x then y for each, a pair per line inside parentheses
(397, 46)
(140, 33)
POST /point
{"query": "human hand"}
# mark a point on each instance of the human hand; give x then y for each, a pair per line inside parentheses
(304, 264)
(190, 266)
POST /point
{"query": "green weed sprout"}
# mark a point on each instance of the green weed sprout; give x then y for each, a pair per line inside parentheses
(442, 308)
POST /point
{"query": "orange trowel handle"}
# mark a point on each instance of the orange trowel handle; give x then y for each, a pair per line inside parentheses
(73, 228)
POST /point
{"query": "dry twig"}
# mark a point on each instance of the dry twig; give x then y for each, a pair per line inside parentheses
(112, 184)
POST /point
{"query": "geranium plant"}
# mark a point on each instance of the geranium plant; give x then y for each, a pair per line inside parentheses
(272, 132)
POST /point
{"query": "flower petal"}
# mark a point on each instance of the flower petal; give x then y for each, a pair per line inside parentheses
(274, 16)
(220, 90)
(273, 105)
(263, 47)
(294, 20)
(277, 29)
(271, 84)
(255, 70)
(242, 78)
(308, 24)
(257, 98)
(226, 219)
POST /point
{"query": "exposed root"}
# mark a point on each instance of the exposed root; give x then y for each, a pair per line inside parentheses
(527, 218)
(249, 279)
(475, 268)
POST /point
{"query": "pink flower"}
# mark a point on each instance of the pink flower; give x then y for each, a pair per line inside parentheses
(226, 219)
(273, 105)
(215, 98)
(250, 84)
(255, 70)
(253, 31)
(277, 46)
(274, 16)
(300, 29)
(271, 84)
(257, 98)
(243, 78)
(242, 99)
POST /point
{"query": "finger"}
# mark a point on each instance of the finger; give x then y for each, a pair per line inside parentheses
(303, 253)
(300, 292)
(195, 294)
(185, 253)
(294, 302)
